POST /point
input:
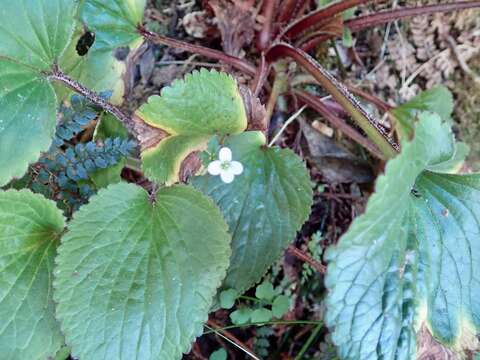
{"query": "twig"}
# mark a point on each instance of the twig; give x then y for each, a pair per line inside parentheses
(231, 338)
(237, 63)
(285, 125)
(299, 254)
(463, 65)
(92, 96)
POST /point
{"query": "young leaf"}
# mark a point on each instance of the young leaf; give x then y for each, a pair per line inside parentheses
(261, 315)
(227, 298)
(280, 306)
(220, 354)
(438, 100)
(114, 22)
(264, 206)
(191, 111)
(30, 228)
(135, 279)
(33, 34)
(265, 291)
(411, 259)
(241, 316)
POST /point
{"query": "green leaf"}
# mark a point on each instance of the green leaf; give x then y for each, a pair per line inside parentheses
(220, 354)
(412, 258)
(33, 34)
(261, 315)
(136, 279)
(227, 298)
(280, 306)
(264, 206)
(30, 228)
(265, 291)
(438, 100)
(98, 69)
(241, 316)
(109, 127)
(114, 21)
(191, 111)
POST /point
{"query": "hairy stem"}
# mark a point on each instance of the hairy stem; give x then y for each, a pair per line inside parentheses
(341, 94)
(368, 21)
(320, 17)
(237, 63)
(92, 96)
(299, 254)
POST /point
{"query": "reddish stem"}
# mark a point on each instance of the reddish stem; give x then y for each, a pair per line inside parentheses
(320, 17)
(237, 63)
(299, 254)
(379, 103)
(340, 93)
(368, 21)
(316, 104)
(265, 35)
(288, 10)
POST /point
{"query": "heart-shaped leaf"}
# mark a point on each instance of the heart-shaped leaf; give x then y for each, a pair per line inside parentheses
(264, 206)
(412, 259)
(30, 229)
(135, 279)
(33, 35)
(191, 111)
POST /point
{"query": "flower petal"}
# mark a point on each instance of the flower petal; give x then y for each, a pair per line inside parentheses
(236, 168)
(227, 176)
(225, 154)
(215, 168)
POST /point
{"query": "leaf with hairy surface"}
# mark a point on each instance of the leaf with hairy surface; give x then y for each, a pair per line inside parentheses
(264, 206)
(412, 259)
(33, 35)
(136, 279)
(30, 229)
(191, 111)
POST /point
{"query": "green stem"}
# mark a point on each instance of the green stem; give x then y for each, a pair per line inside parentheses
(309, 341)
(279, 322)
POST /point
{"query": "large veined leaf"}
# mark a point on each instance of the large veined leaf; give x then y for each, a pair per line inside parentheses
(264, 206)
(412, 259)
(33, 34)
(135, 278)
(191, 111)
(115, 22)
(30, 229)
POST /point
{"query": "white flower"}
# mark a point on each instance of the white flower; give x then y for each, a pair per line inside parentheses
(224, 166)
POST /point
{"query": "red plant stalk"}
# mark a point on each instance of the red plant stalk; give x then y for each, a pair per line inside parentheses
(340, 93)
(320, 17)
(237, 63)
(265, 36)
(368, 21)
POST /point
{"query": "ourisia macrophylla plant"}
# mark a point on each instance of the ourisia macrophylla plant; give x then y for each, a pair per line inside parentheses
(225, 166)
(134, 273)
